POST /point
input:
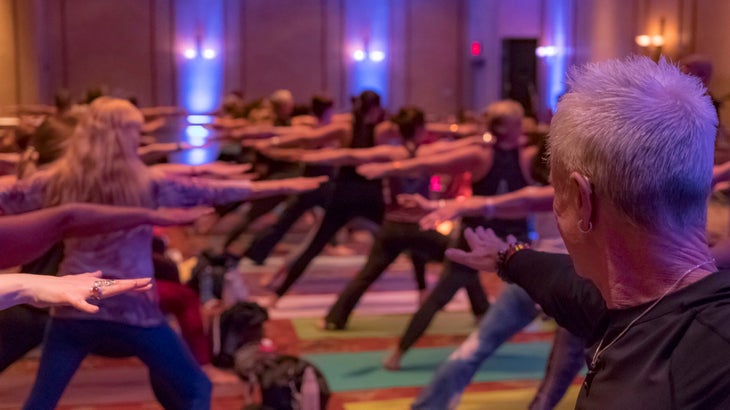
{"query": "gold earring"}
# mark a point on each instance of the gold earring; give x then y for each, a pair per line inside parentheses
(590, 226)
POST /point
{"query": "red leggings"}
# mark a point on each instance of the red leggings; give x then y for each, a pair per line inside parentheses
(183, 302)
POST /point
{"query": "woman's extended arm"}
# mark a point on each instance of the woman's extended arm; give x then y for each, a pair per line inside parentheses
(454, 162)
(159, 150)
(354, 156)
(452, 129)
(27, 236)
(512, 205)
(216, 169)
(339, 132)
(74, 290)
(186, 192)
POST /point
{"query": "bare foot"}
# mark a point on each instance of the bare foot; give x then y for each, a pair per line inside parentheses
(323, 324)
(219, 376)
(392, 362)
(269, 301)
(276, 279)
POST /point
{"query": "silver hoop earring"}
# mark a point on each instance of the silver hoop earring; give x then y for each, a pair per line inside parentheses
(590, 226)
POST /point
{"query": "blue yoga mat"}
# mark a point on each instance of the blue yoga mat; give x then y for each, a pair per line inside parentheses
(361, 371)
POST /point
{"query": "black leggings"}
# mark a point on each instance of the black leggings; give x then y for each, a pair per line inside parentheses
(393, 239)
(454, 277)
(259, 208)
(21, 330)
(349, 201)
(263, 243)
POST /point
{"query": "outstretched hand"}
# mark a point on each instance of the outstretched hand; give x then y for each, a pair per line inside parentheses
(484, 246)
(76, 290)
(440, 215)
(416, 201)
(177, 216)
(373, 170)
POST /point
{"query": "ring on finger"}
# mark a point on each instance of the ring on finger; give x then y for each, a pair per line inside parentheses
(96, 292)
(102, 283)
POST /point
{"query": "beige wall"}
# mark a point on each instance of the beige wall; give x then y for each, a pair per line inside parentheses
(19, 50)
(435, 54)
(283, 44)
(299, 44)
(75, 44)
(8, 61)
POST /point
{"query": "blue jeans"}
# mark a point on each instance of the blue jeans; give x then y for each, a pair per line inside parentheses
(507, 316)
(176, 378)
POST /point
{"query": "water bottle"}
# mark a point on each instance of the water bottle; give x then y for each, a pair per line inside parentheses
(310, 390)
(234, 288)
(206, 285)
(267, 346)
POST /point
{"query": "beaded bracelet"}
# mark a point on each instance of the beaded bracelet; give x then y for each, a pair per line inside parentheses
(504, 256)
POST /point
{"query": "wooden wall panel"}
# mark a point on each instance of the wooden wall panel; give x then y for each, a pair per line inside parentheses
(282, 47)
(434, 46)
(108, 42)
(162, 53)
(710, 40)
(8, 54)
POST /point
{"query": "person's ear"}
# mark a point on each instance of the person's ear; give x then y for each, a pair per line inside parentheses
(584, 203)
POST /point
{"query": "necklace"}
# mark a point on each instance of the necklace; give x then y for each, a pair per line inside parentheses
(593, 367)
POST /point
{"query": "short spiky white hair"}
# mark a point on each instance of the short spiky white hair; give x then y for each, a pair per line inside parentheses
(643, 133)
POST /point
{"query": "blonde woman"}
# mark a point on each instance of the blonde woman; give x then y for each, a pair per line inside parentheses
(101, 165)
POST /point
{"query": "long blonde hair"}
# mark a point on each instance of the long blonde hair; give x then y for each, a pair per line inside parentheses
(101, 164)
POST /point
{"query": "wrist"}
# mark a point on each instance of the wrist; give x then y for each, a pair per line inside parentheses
(503, 258)
(487, 208)
(23, 292)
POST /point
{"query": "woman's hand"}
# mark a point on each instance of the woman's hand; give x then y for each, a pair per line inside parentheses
(446, 213)
(374, 170)
(302, 184)
(77, 290)
(416, 201)
(484, 246)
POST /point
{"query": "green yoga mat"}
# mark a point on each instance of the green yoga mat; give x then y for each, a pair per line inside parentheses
(360, 326)
(360, 371)
(512, 399)
(391, 326)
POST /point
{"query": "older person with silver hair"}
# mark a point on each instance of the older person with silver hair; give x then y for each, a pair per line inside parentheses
(631, 151)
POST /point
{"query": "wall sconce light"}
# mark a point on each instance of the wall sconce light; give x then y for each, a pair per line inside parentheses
(656, 41)
(365, 53)
(546, 51)
(193, 52)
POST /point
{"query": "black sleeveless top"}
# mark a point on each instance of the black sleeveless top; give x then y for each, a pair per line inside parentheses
(348, 181)
(406, 184)
(504, 176)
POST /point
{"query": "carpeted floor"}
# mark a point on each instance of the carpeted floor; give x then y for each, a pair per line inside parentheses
(349, 359)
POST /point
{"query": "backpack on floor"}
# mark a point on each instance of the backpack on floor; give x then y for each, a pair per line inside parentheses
(218, 277)
(284, 382)
(237, 326)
